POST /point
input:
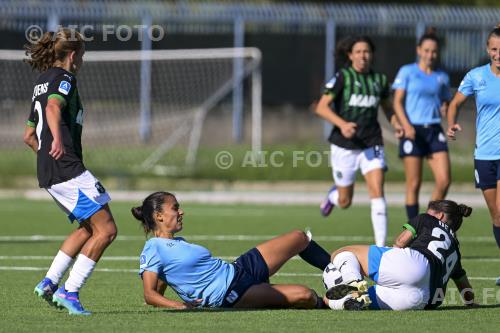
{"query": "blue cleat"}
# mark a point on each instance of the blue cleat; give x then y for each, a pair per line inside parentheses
(70, 301)
(45, 289)
(498, 282)
(326, 206)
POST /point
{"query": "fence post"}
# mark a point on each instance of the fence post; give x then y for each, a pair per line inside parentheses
(239, 42)
(145, 94)
(329, 63)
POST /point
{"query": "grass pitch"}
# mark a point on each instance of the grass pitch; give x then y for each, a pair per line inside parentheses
(114, 292)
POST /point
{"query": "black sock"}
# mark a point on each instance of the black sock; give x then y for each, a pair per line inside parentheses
(496, 232)
(315, 255)
(411, 211)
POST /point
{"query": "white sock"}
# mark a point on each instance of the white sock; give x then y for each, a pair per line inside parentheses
(333, 196)
(348, 265)
(59, 266)
(379, 220)
(80, 272)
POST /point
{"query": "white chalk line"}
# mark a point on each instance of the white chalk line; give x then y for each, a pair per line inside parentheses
(40, 238)
(120, 270)
(136, 259)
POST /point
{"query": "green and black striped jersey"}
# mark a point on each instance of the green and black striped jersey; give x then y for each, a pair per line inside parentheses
(60, 84)
(356, 98)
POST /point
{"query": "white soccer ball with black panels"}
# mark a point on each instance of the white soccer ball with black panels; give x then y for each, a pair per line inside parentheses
(331, 276)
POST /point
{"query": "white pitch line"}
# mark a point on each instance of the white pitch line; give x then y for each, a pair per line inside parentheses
(133, 258)
(40, 238)
(120, 270)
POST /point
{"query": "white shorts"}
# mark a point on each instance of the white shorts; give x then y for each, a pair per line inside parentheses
(346, 162)
(402, 278)
(80, 197)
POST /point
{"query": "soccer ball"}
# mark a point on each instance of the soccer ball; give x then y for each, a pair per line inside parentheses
(331, 276)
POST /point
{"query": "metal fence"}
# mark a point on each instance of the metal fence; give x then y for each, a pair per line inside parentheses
(463, 28)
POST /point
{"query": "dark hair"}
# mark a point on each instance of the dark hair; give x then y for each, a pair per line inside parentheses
(454, 212)
(344, 47)
(495, 32)
(429, 34)
(52, 46)
(152, 204)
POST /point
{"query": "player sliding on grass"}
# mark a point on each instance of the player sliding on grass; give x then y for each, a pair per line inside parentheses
(411, 275)
(201, 280)
(54, 132)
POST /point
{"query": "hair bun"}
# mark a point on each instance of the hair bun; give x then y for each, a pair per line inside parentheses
(430, 31)
(497, 26)
(137, 212)
(464, 210)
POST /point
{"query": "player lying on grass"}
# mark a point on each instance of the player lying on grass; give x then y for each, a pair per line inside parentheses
(202, 280)
(411, 275)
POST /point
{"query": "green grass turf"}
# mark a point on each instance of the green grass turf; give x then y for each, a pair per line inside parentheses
(279, 162)
(116, 298)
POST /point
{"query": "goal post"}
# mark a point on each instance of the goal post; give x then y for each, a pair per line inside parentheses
(144, 111)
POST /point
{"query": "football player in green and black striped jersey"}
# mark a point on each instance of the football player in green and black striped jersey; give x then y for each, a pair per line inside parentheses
(53, 131)
(350, 102)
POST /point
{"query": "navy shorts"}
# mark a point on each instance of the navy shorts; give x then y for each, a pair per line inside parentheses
(249, 269)
(429, 139)
(486, 173)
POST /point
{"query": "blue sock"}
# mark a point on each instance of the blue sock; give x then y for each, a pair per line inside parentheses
(315, 255)
(496, 232)
(411, 211)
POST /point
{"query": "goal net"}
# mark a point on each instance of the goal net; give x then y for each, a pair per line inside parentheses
(143, 110)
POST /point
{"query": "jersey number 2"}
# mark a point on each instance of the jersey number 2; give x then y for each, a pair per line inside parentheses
(39, 126)
(435, 245)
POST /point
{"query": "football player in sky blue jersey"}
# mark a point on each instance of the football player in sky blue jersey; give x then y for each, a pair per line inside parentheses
(422, 93)
(201, 280)
(484, 83)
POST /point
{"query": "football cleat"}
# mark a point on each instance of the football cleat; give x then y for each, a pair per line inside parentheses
(357, 303)
(69, 300)
(498, 281)
(351, 296)
(327, 206)
(45, 290)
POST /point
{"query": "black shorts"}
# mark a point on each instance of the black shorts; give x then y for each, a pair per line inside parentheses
(249, 269)
(486, 173)
(429, 139)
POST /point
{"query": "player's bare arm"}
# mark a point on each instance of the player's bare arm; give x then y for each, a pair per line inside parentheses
(392, 117)
(398, 104)
(324, 110)
(444, 109)
(153, 297)
(466, 291)
(53, 111)
(404, 239)
(30, 138)
(455, 104)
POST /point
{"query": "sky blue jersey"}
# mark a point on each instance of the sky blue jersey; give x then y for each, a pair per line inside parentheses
(189, 269)
(424, 93)
(485, 86)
